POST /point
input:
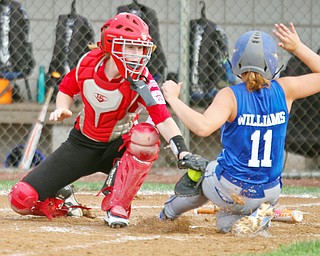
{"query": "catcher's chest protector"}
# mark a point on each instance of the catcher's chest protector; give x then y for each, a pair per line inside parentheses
(105, 114)
(143, 144)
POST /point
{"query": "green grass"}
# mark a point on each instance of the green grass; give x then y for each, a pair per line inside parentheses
(146, 187)
(294, 190)
(310, 248)
(5, 185)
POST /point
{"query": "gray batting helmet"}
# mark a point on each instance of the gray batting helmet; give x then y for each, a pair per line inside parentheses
(255, 51)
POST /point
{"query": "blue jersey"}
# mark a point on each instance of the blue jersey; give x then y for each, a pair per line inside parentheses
(253, 144)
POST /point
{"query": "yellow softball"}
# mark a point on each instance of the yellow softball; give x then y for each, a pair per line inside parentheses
(194, 175)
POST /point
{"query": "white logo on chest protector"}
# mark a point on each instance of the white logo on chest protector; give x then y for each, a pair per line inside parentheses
(101, 100)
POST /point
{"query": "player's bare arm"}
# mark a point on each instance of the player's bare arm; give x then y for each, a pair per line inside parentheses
(63, 104)
(294, 87)
(168, 129)
(290, 41)
(201, 124)
(298, 87)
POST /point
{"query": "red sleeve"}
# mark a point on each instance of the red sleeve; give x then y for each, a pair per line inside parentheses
(69, 84)
(158, 113)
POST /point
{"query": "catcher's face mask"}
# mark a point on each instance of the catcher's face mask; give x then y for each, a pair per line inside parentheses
(121, 33)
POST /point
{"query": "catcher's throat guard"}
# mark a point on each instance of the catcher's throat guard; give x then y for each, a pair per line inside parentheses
(142, 148)
(142, 89)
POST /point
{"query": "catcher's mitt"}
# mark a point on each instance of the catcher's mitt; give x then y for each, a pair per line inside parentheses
(187, 186)
(194, 162)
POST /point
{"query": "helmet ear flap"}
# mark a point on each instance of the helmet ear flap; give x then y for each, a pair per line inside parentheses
(104, 45)
(101, 44)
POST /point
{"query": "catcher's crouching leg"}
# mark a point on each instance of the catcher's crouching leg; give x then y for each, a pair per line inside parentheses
(142, 147)
(23, 199)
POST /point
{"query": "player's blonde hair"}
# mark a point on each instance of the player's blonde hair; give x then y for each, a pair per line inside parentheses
(94, 47)
(254, 81)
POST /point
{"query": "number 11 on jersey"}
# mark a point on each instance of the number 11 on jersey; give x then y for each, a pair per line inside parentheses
(266, 161)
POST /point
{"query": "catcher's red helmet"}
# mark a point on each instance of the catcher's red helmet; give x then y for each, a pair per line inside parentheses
(127, 29)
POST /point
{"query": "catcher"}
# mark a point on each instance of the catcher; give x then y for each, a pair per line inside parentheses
(114, 85)
(245, 180)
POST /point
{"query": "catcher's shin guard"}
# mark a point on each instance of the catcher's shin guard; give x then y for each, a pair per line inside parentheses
(23, 199)
(142, 147)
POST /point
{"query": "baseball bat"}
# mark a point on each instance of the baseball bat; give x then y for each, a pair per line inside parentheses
(282, 215)
(34, 136)
(212, 210)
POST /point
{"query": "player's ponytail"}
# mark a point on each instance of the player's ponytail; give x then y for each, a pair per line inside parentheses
(254, 81)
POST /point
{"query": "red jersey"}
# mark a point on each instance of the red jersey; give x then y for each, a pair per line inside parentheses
(109, 107)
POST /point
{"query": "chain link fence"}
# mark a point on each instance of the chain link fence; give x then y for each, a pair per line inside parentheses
(194, 41)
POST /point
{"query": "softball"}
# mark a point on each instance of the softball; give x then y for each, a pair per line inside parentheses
(194, 175)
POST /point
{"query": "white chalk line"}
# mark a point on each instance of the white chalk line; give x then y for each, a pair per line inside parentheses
(161, 206)
(299, 196)
(98, 207)
(301, 205)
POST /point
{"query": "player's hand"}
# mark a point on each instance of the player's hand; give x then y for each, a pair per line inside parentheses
(171, 90)
(289, 39)
(183, 154)
(60, 114)
(194, 162)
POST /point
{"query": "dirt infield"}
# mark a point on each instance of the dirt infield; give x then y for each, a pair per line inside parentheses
(147, 235)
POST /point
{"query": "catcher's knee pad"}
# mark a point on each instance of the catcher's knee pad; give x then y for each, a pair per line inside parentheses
(143, 142)
(23, 197)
